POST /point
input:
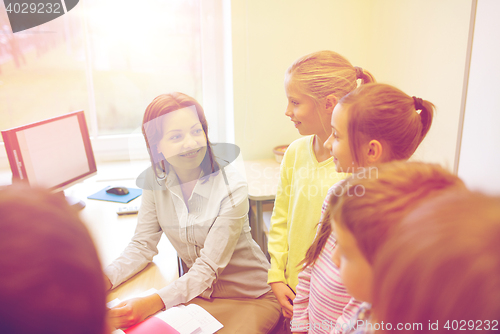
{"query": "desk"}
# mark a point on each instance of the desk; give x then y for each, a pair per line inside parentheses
(262, 178)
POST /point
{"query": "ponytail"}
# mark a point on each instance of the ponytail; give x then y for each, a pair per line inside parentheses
(364, 75)
(325, 229)
(426, 115)
(385, 113)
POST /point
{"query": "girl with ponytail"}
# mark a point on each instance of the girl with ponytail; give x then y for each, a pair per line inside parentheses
(314, 84)
(374, 124)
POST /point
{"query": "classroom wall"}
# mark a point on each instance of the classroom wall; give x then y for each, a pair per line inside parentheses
(479, 162)
(417, 45)
(267, 37)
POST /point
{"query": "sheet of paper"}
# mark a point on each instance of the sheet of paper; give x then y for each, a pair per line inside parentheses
(207, 322)
(191, 319)
(180, 320)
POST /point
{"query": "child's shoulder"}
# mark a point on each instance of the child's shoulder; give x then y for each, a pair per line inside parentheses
(303, 142)
(299, 146)
(336, 189)
(359, 323)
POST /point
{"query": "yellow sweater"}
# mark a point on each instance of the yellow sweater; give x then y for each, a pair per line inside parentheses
(303, 186)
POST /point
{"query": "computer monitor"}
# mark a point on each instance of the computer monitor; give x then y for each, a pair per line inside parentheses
(54, 153)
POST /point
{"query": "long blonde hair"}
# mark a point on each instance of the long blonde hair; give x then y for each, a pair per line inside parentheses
(324, 73)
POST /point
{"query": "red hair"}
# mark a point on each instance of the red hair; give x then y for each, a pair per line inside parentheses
(153, 131)
(385, 113)
(386, 199)
(51, 280)
(443, 263)
(370, 206)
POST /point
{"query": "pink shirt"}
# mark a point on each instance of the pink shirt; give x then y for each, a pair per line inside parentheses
(322, 303)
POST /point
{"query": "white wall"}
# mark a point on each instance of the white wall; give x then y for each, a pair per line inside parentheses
(479, 164)
(417, 45)
(267, 37)
(420, 46)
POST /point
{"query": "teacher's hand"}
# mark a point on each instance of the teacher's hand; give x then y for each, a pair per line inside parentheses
(107, 283)
(135, 310)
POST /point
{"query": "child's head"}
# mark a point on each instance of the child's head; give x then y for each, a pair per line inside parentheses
(443, 263)
(314, 84)
(176, 133)
(377, 123)
(51, 280)
(369, 208)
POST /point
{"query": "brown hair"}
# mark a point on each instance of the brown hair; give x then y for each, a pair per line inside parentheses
(369, 206)
(385, 113)
(153, 131)
(51, 280)
(323, 73)
(443, 263)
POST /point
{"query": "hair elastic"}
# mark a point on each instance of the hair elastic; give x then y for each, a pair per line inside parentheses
(418, 103)
(359, 72)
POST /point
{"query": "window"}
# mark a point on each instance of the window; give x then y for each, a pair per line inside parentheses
(111, 58)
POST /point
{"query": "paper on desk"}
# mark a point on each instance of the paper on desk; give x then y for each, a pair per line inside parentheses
(191, 319)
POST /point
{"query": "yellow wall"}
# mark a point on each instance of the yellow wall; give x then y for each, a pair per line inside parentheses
(417, 45)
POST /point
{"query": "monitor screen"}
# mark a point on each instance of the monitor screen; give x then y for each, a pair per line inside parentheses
(53, 153)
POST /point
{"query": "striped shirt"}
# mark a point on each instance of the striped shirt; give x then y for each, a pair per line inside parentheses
(322, 303)
(361, 322)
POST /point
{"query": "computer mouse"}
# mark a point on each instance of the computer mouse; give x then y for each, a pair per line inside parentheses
(118, 191)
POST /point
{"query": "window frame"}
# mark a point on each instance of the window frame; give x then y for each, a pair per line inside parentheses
(217, 90)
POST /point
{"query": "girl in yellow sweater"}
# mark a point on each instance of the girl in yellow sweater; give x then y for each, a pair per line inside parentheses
(313, 84)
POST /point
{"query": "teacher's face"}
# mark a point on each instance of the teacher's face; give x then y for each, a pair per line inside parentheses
(184, 143)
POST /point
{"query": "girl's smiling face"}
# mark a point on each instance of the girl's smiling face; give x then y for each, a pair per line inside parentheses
(355, 270)
(302, 109)
(338, 142)
(184, 143)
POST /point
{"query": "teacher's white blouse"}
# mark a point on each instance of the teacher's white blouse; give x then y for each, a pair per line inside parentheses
(211, 235)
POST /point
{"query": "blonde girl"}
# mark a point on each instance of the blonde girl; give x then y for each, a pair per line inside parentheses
(313, 84)
(375, 123)
(362, 224)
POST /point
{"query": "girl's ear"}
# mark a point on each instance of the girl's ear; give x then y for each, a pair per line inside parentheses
(374, 152)
(330, 103)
